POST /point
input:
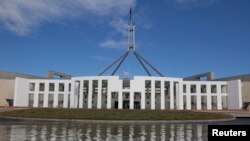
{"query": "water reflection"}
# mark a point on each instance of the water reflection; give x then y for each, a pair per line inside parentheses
(108, 132)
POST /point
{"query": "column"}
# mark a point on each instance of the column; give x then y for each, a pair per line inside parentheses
(209, 106)
(219, 103)
(152, 94)
(176, 95)
(46, 95)
(143, 98)
(198, 96)
(188, 96)
(55, 100)
(36, 94)
(120, 95)
(90, 94)
(180, 96)
(65, 95)
(76, 94)
(72, 95)
(162, 96)
(131, 100)
(171, 95)
(99, 95)
(80, 100)
(108, 99)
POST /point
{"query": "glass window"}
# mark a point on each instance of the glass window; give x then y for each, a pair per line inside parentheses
(69, 87)
(223, 88)
(51, 86)
(32, 87)
(184, 88)
(203, 89)
(126, 84)
(193, 88)
(213, 89)
(41, 87)
(61, 87)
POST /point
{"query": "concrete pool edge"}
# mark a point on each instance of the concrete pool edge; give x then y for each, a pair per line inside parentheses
(115, 121)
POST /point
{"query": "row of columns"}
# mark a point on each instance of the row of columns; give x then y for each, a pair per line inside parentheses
(55, 94)
(77, 96)
(208, 101)
(208, 95)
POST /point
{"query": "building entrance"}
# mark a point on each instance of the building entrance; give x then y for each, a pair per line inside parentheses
(116, 105)
(137, 105)
(125, 104)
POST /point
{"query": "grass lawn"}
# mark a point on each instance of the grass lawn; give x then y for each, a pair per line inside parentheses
(114, 114)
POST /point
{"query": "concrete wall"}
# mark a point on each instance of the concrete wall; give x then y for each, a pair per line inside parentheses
(234, 94)
(214, 92)
(21, 92)
(7, 87)
(245, 87)
(13, 75)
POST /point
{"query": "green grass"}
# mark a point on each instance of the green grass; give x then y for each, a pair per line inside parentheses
(114, 114)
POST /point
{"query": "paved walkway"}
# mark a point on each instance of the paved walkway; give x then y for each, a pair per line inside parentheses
(235, 113)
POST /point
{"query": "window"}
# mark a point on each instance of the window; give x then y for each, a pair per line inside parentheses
(32, 87)
(85, 86)
(41, 87)
(114, 94)
(104, 87)
(127, 95)
(31, 100)
(147, 84)
(203, 89)
(184, 88)
(213, 89)
(61, 87)
(193, 88)
(51, 100)
(95, 86)
(147, 87)
(40, 100)
(51, 87)
(157, 84)
(126, 84)
(69, 87)
(223, 88)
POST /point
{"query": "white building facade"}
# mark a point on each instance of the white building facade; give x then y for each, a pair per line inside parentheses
(141, 92)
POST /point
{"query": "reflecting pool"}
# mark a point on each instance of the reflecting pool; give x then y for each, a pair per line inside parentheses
(35, 130)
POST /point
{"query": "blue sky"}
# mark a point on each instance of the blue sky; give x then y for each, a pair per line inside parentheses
(82, 37)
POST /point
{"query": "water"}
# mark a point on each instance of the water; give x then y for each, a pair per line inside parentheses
(35, 130)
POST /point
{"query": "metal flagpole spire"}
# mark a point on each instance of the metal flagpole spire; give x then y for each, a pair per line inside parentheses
(131, 32)
(131, 48)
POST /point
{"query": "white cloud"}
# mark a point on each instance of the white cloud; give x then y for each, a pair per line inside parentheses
(120, 26)
(21, 16)
(112, 44)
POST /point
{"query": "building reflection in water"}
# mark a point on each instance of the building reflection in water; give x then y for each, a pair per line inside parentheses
(108, 132)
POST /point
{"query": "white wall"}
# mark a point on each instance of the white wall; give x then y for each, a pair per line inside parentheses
(137, 84)
(21, 96)
(234, 94)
